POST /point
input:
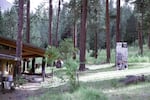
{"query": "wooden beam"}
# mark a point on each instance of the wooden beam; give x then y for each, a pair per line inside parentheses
(26, 47)
(7, 52)
(8, 57)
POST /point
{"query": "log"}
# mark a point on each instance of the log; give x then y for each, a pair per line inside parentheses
(133, 79)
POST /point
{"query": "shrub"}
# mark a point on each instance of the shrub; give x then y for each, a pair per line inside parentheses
(51, 54)
(71, 69)
(66, 48)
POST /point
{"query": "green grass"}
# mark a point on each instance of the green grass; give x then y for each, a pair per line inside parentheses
(99, 90)
(133, 56)
(116, 90)
(82, 93)
(106, 89)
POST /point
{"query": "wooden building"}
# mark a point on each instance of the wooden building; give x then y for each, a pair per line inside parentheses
(8, 52)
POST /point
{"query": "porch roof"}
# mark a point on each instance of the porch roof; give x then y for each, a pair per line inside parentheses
(28, 50)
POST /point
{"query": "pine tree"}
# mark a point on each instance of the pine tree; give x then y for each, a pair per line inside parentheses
(19, 35)
(83, 35)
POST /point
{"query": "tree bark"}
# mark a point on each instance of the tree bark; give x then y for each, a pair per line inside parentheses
(43, 68)
(28, 61)
(50, 21)
(74, 31)
(74, 39)
(118, 38)
(141, 32)
(83, 35)
(24, 65)
(33, 66)
(95, 42)
(75, 27)
(149, 39)
(19, 36)
(57, 24)
(140, 37)
(28, 22)
(107, 32)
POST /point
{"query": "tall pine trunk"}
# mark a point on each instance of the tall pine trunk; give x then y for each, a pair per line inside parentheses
(107, 32)
(141, 45)
(75, 35)
(33, 66)
(96, 38)
(75, 27)
(57, 24)
(74, 30)
(118, 37)
(50, 22)
(19, 36)
(83, 35)
(140, 38)
(28, 22)
(149, 39)
(95, 44)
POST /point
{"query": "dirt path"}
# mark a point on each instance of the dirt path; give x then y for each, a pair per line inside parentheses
(113, 74)
(30, 89)
(23, 92)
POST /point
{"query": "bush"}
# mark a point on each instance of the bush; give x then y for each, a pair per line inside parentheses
(71, 69)
(66, 48)
(51, 54)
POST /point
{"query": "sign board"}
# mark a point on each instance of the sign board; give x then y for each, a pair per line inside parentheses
(121, 55)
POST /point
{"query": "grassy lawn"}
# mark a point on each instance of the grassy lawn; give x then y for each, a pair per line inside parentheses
(99, 90)
(109, 89)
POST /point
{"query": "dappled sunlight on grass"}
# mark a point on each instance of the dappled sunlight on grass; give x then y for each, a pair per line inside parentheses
(106, 75)
(119, 91)
(96, 81)
(132, 92)
(94, 67)
(138, 65)
(128, 89)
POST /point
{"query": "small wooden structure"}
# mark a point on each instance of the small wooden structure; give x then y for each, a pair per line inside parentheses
(8, 52)
(7, 64)
(29, 51)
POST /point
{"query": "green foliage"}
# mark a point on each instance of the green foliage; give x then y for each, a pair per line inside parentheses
(39, 26)
(66, 48)
(133, 56)
(131, 34)
(138, 59)
(9, 28)
(51, 54)
(71, 72)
